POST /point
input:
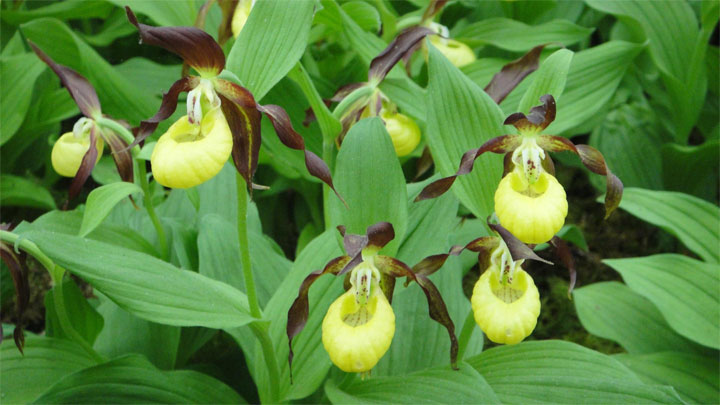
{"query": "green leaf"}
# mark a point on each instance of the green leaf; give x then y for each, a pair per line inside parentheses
(270, 44)
(177, 12)
(694, 377)
(692, 220)
(70, 9)
(132, 379)
(365, 15)
(594, 75)
(436, 385)
(518, 37)
(613, 311)
(145, 286)
(368, 175)
(683, 289)
(84, 318)
(461, 116)
(152, 77)
(691, 169)
(101, 201)
(555, 371)
(18, 75)
(18, 191)
(550, 78)
(46, 360)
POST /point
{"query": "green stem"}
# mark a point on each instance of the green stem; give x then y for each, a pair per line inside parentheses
(56, 274)
(261, 334)
(466, 334)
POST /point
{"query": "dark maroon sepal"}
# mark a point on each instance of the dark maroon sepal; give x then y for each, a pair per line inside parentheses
(386, 60)
(244, 123)
(431, 264)
(562, 252)
(193, 45)
(518, 250)
(512, 74)
(15, 262)
(500, 144)
(539, 118)
(86, 166)
(79, 87)
(436, 305)
(121, 155)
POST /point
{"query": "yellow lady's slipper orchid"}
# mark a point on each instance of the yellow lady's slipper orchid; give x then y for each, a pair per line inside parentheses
(507, 312)
(534, 213)
(458, 53)
(240, 16)
(68, 152)
(404, 132)
(188, 154)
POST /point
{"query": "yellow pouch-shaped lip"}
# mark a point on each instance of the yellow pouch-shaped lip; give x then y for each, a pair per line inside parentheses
(458, 53)
(188, 155)
(356, 337)
(506, 313)
(533, 213)
(68, 152)
(404, 132)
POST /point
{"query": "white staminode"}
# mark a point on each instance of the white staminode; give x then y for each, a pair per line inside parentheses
(194, 100)
(529, 156)
(361, 279)
(503, 261)
(82, 127)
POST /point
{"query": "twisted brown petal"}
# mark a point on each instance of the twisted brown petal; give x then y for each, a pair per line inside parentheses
(86, 166)
(431, 264)
(562, 251)
(121, 155)
(500, 144)
(79, 88)
(512, 74)
(19, 273)
(406, 40)
(244, 125)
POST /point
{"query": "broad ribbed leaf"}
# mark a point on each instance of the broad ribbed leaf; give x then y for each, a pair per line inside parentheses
(63, 10)
(17, 78)
(101, 201)
(692, 169)
(519, 37)
(438, 385)
(46, 360)
(461, 116)
(692, 220)
(177, 12)
(562, 372)
(19, 191)
(145, 286)
(694, 377)
(683, 289)
(550, 79)
(368, 175)
(132, 379)
(271, 43)
(83, 317)
(613, 311)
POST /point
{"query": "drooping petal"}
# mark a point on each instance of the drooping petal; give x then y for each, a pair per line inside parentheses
(431, 264)
(436, 305)
(594, 161)
(79, 88)
(15, 262)
(500, 144)
(512, 74)
(88, 163)
(193, 45)
(121, 155)
(539, 118)
(384, 62)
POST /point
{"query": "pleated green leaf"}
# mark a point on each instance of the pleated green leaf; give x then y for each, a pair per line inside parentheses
(694, 377)
(438, 385)
(271, 43)
(683, 289)
(84, 317)
(46, 361)
(550, 78)
(132, 379)
(19, 191)
(177, 12)
(692, 220)
(551, 372)
(102, 200)
(461, 116)
(17, 78)
(146, 286)
(517, 36)
(692, 169)
(613, 311)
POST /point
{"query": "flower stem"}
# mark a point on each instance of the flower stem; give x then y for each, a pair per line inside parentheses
(466, 334)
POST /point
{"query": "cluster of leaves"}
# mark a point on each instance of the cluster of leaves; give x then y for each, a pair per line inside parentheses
(646, 97)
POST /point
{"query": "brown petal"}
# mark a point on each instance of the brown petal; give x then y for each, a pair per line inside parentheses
(433, 8)
(299, 311)
(244, 123)
(424, 163)
(381, 64)
(518, 250)
(431, 264)
(19, 273)
(343, 91)
(121, 155)
(167, 108)
(86, 166)
(193, 45)
(562, 251)
(287, 135)
(539, 118)
(500, 144)
(436, 304)
(79, 88)
(380, 234)
(512, 74)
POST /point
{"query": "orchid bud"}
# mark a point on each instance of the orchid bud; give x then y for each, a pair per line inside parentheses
(404, 132)
(68, 152)
(188, 155)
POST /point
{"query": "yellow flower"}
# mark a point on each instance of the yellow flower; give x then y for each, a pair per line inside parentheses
(457, 52)
(240, 16)
(68, 152)
(404, 132)
(359, 326)
(188, 155)
(534, 213)
(506, 312)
